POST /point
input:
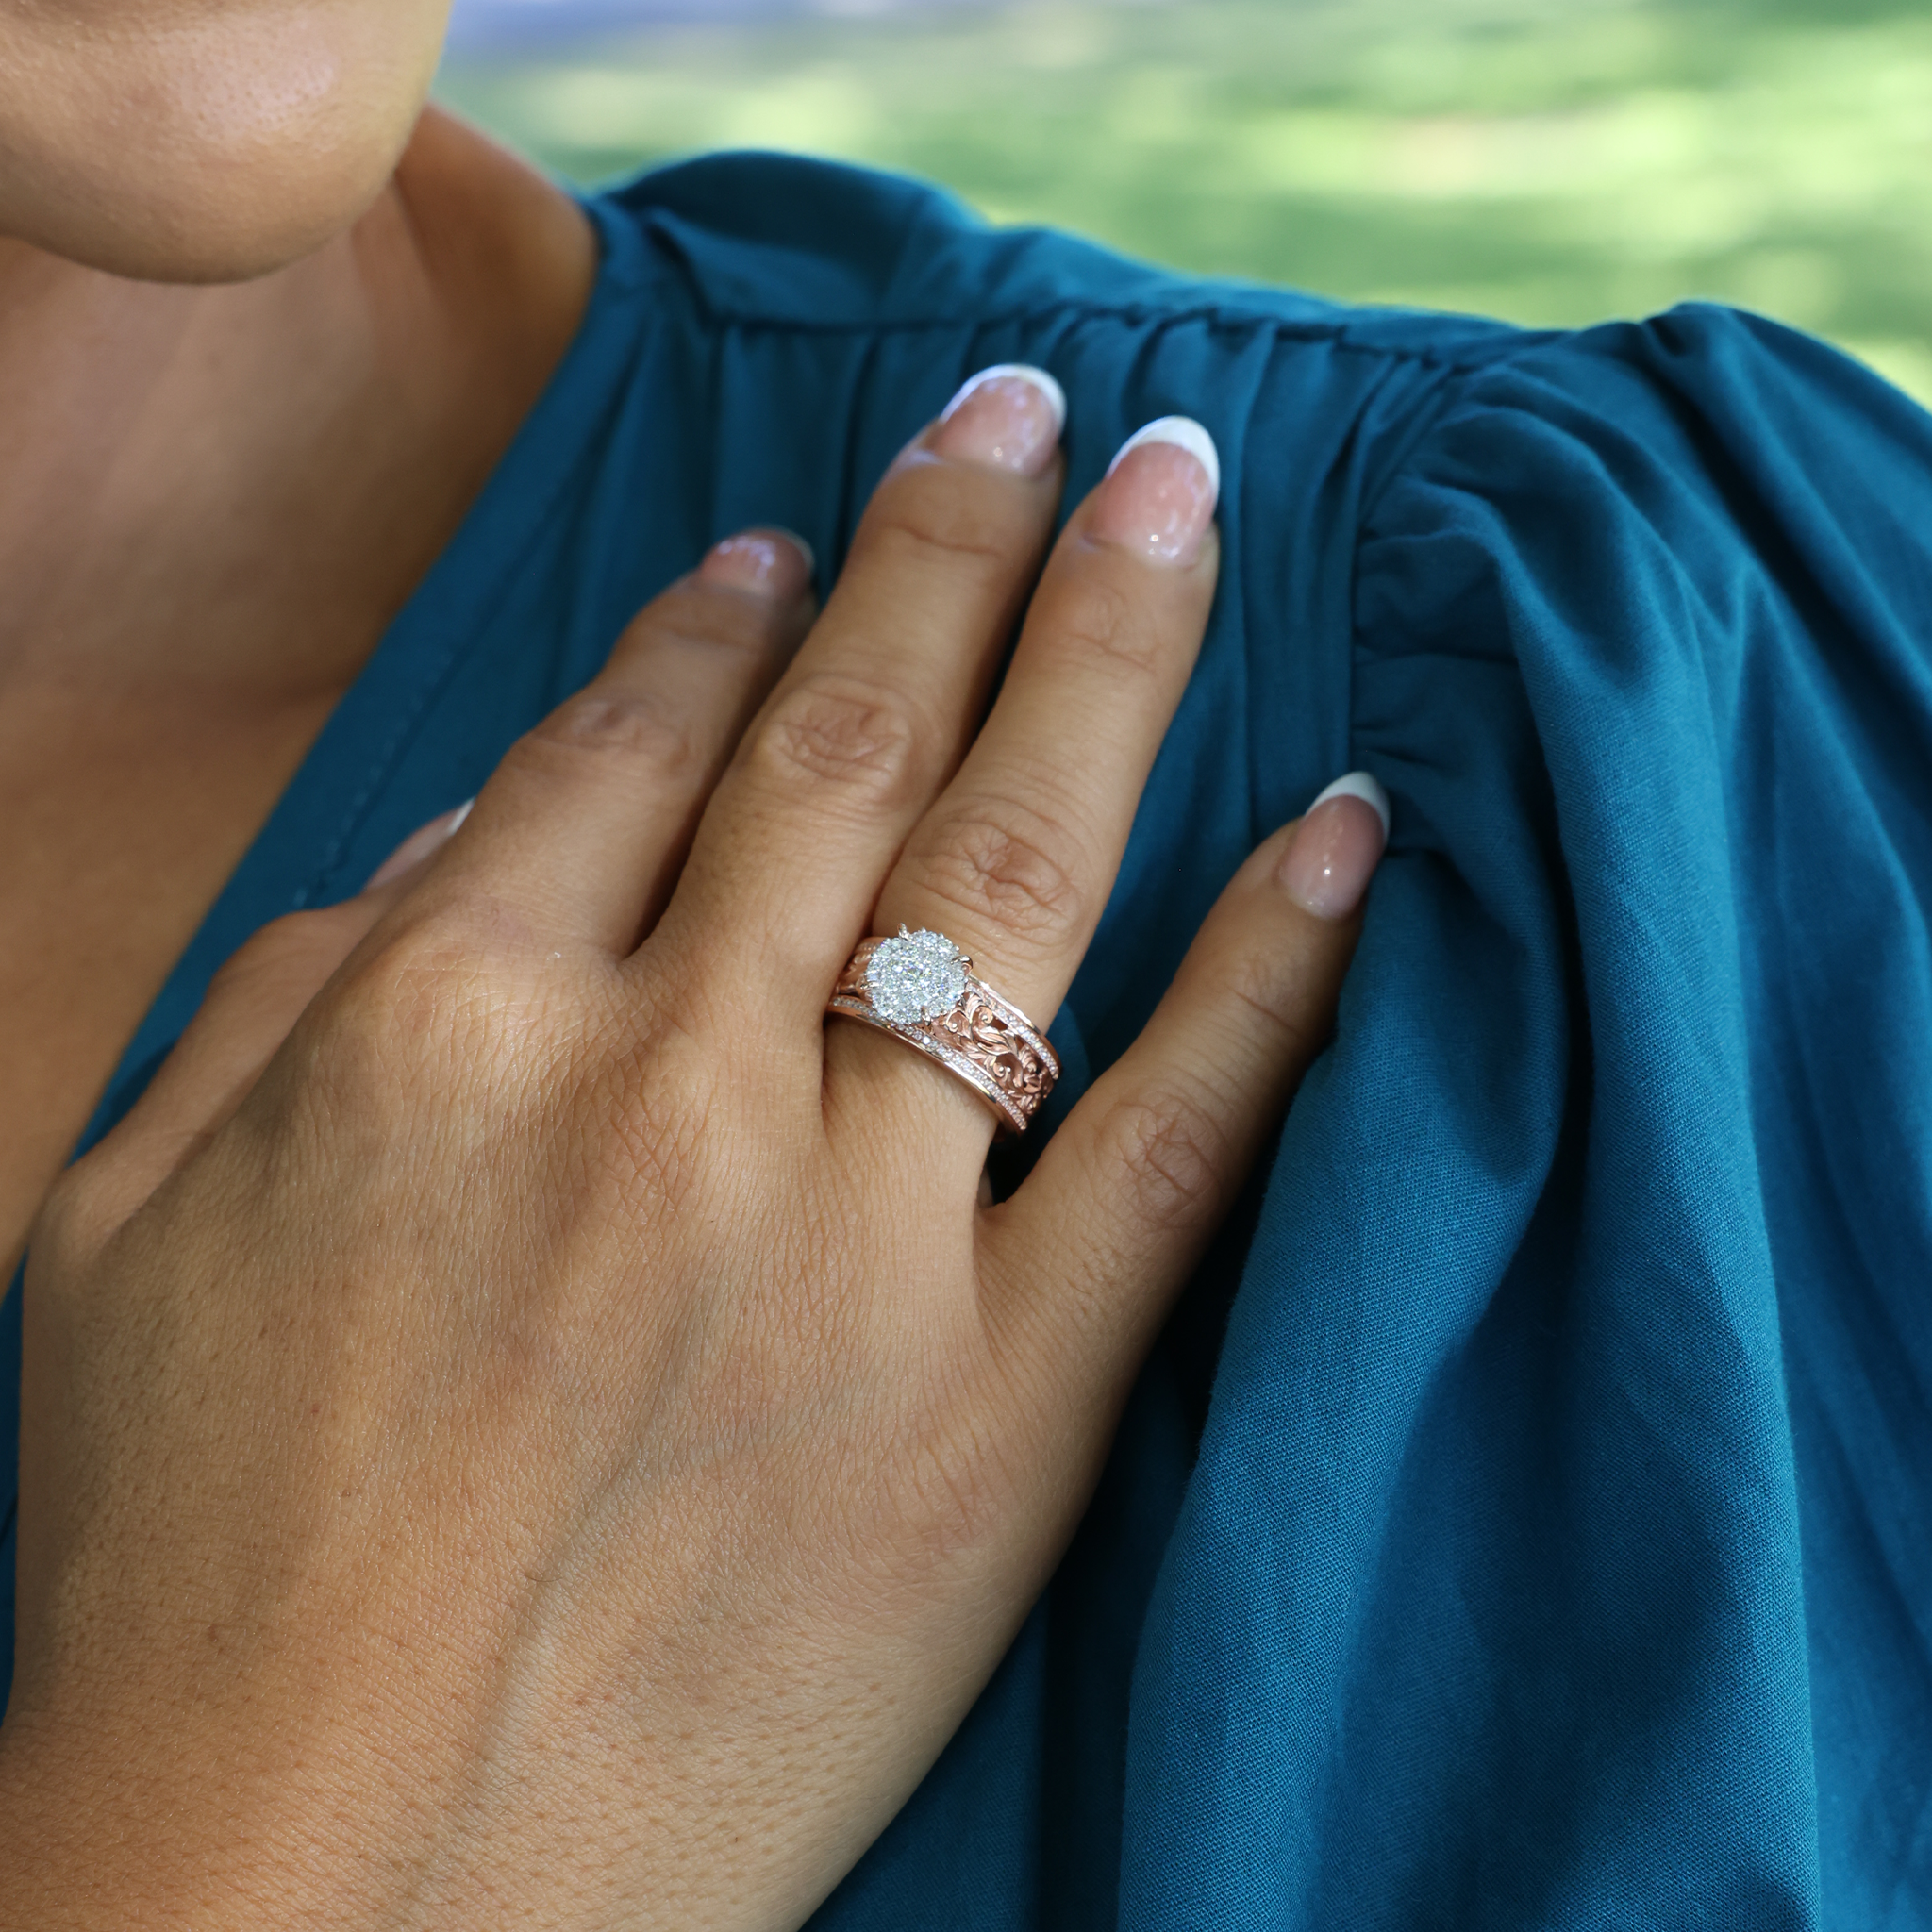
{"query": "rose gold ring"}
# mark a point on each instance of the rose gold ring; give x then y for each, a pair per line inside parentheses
(920, 988)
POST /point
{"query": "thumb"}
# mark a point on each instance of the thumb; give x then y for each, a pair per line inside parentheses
(251, 1007)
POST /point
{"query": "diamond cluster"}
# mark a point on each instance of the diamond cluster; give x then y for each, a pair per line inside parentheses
(919, 976)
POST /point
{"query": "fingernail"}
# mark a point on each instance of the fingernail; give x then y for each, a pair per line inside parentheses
(1159, 494)
(1336, 849)
(1008, 417)
(419, 845)
(769, 563)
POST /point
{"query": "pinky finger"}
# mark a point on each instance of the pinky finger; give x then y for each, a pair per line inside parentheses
(1083, 1263)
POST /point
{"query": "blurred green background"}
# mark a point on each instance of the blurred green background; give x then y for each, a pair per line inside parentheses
(1549, 160)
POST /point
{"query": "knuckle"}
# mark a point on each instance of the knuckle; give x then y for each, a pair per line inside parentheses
(831, 731)
(702, 616)
(1263, 986)
(950, 1491)
(243, 966)
(659, 1098)
(708, 619)
(431, 1000)
(635, 727)
(937, 519)
(291, 948)
(73, 1218)
(292, 933)
(1174, 1154)
(962, 1496)
(1093, 620)
(1016, 866)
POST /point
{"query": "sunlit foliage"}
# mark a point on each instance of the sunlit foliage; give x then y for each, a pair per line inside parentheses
(1552, 160)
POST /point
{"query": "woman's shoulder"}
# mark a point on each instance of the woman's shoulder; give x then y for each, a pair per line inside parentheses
(1705, 445)
(788, 246)
(1717, 389)
(790, 242)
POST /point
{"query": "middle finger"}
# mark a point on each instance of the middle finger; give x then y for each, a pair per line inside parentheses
(879, 704)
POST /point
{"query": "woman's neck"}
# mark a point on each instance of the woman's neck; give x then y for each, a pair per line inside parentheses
(212, 501)
(188, 466)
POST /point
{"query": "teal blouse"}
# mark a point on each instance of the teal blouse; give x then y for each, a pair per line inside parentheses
(1526, 1520)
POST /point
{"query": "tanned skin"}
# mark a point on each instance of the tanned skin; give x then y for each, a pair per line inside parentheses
(527, 1423)
(217, 488)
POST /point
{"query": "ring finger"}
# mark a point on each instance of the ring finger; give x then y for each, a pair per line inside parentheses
(1014, 861)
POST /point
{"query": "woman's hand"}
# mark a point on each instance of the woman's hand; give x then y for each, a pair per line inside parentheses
(560, 1438)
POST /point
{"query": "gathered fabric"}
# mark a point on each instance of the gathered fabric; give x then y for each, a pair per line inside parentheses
(1525, 1520)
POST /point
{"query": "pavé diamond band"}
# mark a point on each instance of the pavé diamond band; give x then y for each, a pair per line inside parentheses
(920, 988)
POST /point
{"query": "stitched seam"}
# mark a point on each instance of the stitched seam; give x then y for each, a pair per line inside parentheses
(1217, 315)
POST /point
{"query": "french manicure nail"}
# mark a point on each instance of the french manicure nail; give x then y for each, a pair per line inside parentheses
(1160, 492)
(1008, 417)
(419, 845)
(1336, 849)
(770, 563)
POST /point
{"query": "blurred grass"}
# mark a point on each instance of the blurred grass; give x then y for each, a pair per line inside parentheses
(1548, 161)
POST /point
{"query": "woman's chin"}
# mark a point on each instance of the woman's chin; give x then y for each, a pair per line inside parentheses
(216, 151)
(226, 232)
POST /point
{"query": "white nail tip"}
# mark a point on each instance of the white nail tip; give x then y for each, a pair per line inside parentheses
(1184, 433)
(1358, 785)
(457, 818)
(798, 544)
(1020, 372)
